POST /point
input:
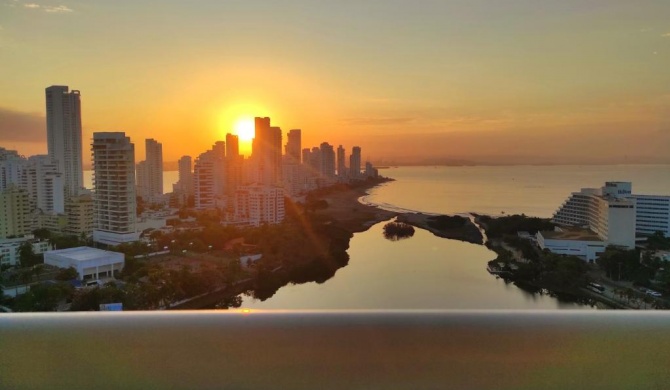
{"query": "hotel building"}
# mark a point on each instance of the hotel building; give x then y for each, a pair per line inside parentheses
(594, 218)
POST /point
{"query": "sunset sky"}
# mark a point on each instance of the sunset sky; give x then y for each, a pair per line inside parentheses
(490, 81)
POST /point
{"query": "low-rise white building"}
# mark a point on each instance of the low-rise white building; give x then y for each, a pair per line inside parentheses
(90, 263)
(582, 243)
(9, 248)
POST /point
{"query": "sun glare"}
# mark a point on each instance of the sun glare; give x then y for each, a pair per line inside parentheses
(244, 128)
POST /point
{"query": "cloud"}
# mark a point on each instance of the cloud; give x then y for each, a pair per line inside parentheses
(377, 121)
(666, 35)
(55, 9)
(17, 126)
(58, 9)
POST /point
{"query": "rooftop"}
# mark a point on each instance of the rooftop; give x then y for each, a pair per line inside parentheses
(571, 233)
(83, 253)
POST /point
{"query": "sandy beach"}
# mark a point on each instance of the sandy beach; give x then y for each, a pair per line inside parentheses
(345, 209)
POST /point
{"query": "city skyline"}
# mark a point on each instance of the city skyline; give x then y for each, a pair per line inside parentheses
(506, 82)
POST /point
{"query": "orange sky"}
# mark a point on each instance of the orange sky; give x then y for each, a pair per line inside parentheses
(534, 81)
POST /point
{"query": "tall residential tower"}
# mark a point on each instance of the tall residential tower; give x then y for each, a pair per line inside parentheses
(115, 206)
(150, 173)
(64, 135)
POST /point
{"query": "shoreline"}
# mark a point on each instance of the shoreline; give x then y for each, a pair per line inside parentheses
(348, 213)
(349, 209)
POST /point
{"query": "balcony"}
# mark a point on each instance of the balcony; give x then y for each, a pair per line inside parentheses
(336, 350)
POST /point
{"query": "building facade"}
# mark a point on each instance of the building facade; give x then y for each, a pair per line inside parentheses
(90, 263)
(14, 212)
(9, 248)
(257, 204)
(267, 152)
(150, 173)
(652, 214)
(355, 162)
(79, 211)
(293, 148)
(341, 162)
(115, 205)
(63, 115)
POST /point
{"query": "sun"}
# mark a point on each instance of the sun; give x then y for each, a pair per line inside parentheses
(245, 129)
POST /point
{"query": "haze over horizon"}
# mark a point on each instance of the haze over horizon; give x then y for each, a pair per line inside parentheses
(509, 81)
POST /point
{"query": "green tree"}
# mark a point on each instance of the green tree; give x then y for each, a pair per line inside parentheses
(67, 274)
(43, 297)
(42, 234)
(658, 241)
(27, 256)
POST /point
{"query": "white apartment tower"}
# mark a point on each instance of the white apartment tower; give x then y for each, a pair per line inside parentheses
(204, 180)
(44, 184)
(257, 204)
(114, 183)
(63, 109)
(150, 173)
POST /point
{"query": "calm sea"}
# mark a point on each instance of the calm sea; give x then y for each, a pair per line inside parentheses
(531, 190)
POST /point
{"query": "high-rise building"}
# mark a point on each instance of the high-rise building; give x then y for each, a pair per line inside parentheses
(64, 135)
(203, 181)
(150, 173)
(234, 166)
(294, 179)
(79, 212)
(267, 151)
(294, 146)
(183, 189)
(11, 168)
(293, 176)
(232, 146)
(315, 161)
(14, 212)
(327, 160)
(259, 204)
(115, 206)
(209, 177)
(341, 162)
(306, 152)
(370, 170)
(219, 149)
(355, 162)
(44, 184)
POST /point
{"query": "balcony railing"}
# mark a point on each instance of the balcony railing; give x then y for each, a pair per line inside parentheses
(336, 350)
